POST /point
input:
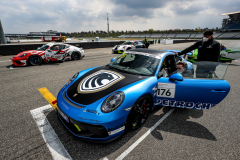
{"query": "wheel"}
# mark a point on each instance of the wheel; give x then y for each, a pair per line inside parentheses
(35, 60)
(139, 113)
(76, 56)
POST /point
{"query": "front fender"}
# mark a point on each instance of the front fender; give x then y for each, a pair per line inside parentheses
(135, 90)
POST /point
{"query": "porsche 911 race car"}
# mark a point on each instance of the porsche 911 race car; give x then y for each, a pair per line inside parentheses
(127, 45)
(232, 53)
(48, 52)
(99, 104)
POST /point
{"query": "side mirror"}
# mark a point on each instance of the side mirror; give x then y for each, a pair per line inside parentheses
(176, 77)
(112, 59)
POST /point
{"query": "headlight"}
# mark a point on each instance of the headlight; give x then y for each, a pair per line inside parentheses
(73, 78)
(22, 55)
(112, 102)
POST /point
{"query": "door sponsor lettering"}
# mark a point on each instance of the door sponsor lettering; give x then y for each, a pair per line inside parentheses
(183, 104)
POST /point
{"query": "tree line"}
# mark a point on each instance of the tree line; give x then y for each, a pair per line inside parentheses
(112, 33)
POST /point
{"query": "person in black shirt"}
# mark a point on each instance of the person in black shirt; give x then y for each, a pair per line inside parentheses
(208, 48)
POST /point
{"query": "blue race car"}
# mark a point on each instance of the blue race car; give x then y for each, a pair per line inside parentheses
(99, 104)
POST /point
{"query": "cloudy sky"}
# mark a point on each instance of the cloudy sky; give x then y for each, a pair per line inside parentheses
(23, 16)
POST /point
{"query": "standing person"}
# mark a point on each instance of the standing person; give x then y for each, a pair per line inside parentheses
(208, 48)
(145, 42)
(153, 41)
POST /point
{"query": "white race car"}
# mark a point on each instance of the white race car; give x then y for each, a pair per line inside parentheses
(127, 45)
(48, 52)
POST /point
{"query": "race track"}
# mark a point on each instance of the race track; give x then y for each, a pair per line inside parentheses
(181, 133)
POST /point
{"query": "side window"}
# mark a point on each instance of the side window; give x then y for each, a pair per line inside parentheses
(66, 47)
(171, 64)
(168, 66)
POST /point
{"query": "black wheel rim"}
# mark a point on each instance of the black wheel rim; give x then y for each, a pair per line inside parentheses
(76, 56)
(141, 111)
(35, 60)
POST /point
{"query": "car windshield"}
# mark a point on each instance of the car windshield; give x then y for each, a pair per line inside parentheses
(127, 43)
(204, 70)
(43, 48)
(136, 64)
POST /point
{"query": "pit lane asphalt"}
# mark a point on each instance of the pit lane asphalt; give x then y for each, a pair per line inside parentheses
(185, 134)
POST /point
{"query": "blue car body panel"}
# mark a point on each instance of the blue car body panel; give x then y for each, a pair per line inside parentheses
(186, 93)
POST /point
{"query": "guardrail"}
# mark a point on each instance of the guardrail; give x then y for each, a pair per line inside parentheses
(14, 49)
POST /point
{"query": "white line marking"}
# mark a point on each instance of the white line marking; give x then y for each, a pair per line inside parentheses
(125, 153)
(105, 158)
(53, 143)
(5, 61)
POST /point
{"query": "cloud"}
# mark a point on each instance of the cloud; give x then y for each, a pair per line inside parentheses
(23, 16)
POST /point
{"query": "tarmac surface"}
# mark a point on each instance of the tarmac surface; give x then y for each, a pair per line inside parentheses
(184, 134)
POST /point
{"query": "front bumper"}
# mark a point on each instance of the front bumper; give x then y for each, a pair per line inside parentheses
(18, 61)
(100, 128)
(117, 51)
(84, 129)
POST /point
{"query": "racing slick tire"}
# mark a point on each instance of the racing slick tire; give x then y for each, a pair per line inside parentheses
(139, 113)
(76, 55)
(35, 60)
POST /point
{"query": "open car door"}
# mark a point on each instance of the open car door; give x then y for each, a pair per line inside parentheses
(202, 90)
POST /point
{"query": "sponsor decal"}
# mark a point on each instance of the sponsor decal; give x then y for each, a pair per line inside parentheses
(78, 128)
(81, 118)
(183, 104)
(116, 131)
(166, 90)
(99, 81)
(90, 111)
(116, 127)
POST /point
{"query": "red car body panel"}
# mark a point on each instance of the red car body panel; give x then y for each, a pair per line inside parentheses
(22, 61)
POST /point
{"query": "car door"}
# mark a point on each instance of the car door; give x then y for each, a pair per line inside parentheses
(53, 50)
(200, 92)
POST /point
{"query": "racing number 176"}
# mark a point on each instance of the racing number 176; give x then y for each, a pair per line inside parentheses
(164, 92)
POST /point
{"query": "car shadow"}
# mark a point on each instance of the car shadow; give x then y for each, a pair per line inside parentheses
(178, 122)
(79, 149)
(230, 64)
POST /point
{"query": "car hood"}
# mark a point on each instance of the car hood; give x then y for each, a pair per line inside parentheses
(98, 83)
(29, 51)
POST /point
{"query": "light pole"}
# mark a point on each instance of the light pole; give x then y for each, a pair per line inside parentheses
(108, 24)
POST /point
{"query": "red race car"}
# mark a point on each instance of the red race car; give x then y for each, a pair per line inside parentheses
(48, 52)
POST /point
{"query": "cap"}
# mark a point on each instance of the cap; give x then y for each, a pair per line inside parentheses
(208, 32)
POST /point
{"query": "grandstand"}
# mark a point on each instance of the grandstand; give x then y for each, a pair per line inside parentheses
(232, 23)
(230, 30)
(171, 35)
(183, 35)
(156, 35)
